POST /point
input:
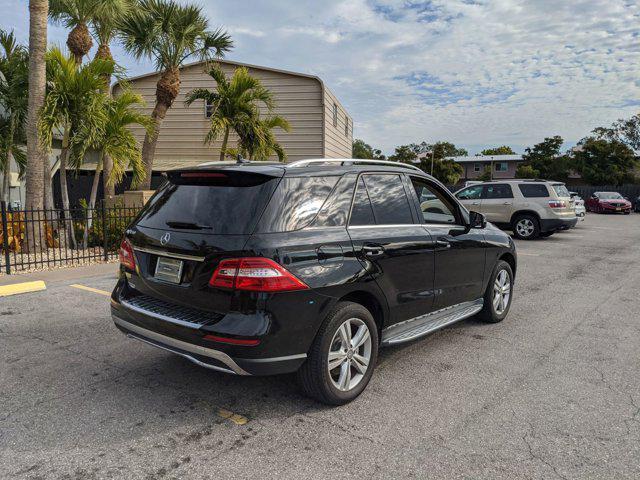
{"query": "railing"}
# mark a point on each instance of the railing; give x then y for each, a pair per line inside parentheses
(39, 239)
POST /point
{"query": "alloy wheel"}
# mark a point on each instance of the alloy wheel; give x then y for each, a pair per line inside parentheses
(501, 292)
(349, 354)
(525, 227)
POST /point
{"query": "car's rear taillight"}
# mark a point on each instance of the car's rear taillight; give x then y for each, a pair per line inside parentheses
(557, 204)
(256, 274)
(125, 253)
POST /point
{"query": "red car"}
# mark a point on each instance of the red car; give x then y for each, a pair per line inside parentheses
(602, 202)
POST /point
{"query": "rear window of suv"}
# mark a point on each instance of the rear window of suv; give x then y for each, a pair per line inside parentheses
(209, 203)
(533, 190)
(561, 190)
(295, 203)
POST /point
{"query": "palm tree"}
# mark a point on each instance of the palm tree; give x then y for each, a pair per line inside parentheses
(236, 104)
(14, 97)
(256, 139)
(36, 154)
(169, 34)
(74, 101)
(116, 140)
(76, 15)
(105, 26)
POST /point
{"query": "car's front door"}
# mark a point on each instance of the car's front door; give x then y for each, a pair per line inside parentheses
(497, 202)
(460, 251)
(396, 251)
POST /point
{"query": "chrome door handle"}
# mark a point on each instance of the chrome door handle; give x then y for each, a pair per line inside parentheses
(373, 250)
(441, 243)
(475, 203)
(507, 203)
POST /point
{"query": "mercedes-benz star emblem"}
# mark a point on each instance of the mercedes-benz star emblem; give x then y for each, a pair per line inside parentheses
(165, 238)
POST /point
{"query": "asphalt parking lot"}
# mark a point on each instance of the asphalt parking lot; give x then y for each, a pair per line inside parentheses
(551, 392)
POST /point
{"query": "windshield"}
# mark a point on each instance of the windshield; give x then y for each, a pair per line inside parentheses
(609, 196)
(223, 205)
(561, 190)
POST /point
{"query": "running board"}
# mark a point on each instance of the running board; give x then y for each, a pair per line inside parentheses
(430, 322)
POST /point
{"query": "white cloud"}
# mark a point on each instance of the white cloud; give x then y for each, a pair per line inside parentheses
(475, 72)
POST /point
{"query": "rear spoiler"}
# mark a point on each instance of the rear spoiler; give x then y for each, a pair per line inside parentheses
(239, 177)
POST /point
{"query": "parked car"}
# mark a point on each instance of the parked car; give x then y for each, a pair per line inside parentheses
(310, 267)
(637, 205)
(530, 208)
(578, 205)
(603, 202)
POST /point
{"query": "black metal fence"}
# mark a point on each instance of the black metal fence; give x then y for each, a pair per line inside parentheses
(35, 239)
(632, 192)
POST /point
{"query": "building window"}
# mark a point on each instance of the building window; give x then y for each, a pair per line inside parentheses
(477, 167)
(346, 126)
(335, 114)
(208, 109)
(501, 166)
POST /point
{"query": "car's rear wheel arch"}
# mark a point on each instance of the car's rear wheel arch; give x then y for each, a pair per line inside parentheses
(525, 212)
(370, 302)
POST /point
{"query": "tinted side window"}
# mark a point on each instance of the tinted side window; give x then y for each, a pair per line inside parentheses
(435, 207)
(362, 212)
(335, 211)
(295, 203)
(498, 191)
(533, 190)
(470, 193)
(389, 199)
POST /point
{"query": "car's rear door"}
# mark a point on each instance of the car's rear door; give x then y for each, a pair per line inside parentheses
(396, 251)
(460, 251)
(497, 202)
(471, 198)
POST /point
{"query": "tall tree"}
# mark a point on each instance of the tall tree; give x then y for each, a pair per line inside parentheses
(235, 104)
(503, 150)
(605, 162)
(626, 131)
(76, 15)
(114, 139)
(361, 149)
(404, 153)
(14, 97)
(74, 100)
(546, 159)
(105, 26)
(36, 154)
(169, 34)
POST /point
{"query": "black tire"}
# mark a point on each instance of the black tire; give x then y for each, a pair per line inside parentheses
(535, 224)
(488, 313)
(314, 377)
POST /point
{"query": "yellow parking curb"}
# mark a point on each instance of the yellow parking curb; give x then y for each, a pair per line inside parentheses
(234, 417)
(18, 288)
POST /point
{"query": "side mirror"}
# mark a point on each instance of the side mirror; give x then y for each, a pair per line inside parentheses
(477, 220)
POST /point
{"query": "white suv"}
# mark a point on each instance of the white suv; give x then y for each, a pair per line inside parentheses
(530, 208)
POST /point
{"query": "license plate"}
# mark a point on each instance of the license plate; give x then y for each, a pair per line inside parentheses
(169, 270)
(618, 209)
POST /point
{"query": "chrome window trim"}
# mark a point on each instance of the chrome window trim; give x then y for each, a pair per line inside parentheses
(164, 253)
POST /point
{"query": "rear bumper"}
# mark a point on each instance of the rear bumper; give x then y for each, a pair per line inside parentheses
(554, 224)
(186, 339)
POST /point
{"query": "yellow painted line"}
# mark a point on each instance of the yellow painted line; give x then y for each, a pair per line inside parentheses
(234, 417)
(93, 290)
(18, 288)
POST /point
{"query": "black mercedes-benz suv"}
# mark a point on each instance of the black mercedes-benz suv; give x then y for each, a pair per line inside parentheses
(309, 267)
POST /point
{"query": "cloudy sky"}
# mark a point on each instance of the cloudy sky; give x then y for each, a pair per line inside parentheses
(474, 72)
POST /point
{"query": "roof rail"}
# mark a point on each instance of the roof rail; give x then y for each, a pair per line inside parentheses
(343, 161)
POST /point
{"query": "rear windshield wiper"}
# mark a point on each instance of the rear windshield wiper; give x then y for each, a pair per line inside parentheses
(188, 225)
